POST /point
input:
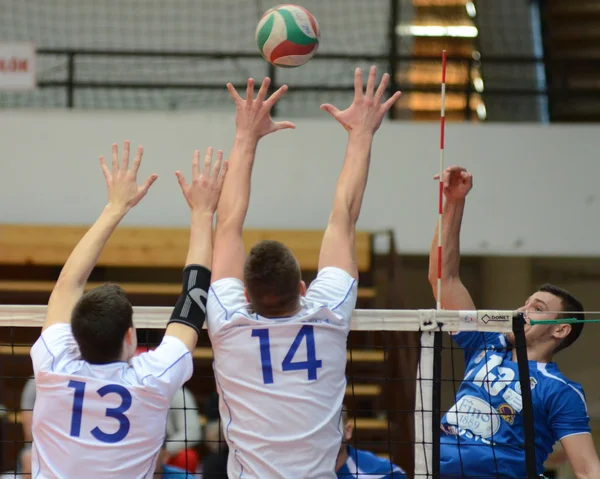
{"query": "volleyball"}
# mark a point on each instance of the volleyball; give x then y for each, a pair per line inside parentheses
(287, 35)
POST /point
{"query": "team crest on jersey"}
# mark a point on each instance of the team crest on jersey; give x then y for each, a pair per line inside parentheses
(507, 413)
(480, 357)
(532, 382)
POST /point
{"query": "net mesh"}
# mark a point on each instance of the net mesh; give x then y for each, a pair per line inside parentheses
(396, 389)
(222, 29)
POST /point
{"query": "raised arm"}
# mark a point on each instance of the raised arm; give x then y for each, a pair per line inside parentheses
(202, 196)
(362, 119)
(457, 184)
(123, 194)
(253, 121)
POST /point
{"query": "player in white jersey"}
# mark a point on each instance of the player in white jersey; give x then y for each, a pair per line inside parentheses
(99, 411)
(280, 348)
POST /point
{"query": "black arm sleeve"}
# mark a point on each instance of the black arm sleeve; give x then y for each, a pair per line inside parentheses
(190, 308)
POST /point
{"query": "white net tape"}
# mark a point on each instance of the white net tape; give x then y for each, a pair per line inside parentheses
(362, 320)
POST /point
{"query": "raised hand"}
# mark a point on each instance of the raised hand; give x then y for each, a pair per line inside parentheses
(253, 115)
(457, 182)
(366, 112)
(203, 194)
(123, 191)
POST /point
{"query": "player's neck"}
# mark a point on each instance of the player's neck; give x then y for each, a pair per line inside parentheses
(342, 457)
(283, 313)
(540, 354)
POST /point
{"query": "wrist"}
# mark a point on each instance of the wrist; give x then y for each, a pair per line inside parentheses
(246, 139)
(361, 135)
(455, 201)
(200, 214)
(115, 210)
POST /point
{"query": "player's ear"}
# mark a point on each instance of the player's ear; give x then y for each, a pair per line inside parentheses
(246, 295)
(348, 430)
(561, 331)
(302, 288)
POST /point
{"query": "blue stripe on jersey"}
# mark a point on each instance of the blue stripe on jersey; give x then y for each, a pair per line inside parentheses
(49, 352)
(220, 303)
(345, 296)
(222, 396)
(164, 372)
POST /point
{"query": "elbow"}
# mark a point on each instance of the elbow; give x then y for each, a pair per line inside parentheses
(432, 276)
(588, 471)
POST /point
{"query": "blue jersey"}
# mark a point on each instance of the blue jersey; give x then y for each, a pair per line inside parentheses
(366, 465)
(172, 472)
(482, 434)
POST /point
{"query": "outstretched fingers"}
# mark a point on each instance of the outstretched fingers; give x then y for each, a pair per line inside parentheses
(196, 164)
(137, 161)
(125, 158)
(385, 80)
(274, 98)
(181, 180)
(284, 125)
(105, 170)
(148, 183)
(222, 173)
(115, 158)
(264, 89)
(371, 82)
(234, 94)
(250, 91)
(216, 169)
(358, 84)
(207, 162)
(332, 110)
(391, 101)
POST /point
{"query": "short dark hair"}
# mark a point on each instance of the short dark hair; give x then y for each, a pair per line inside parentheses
(574, 306)
(99, 322)
(271, 277)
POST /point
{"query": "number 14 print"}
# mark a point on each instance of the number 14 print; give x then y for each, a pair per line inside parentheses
(310, 365)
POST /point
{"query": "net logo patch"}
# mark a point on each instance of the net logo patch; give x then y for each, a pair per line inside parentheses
(495, 318)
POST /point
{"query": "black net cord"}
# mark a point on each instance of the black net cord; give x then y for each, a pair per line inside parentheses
(523, 366)
(436, 406)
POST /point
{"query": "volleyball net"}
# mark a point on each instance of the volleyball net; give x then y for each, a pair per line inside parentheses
(404, 374)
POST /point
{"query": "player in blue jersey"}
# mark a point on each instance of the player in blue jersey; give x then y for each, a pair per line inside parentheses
(353, 463)
(100, 412)
(482, 433)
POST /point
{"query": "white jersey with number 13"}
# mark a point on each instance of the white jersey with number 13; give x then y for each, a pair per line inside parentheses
(101, 421)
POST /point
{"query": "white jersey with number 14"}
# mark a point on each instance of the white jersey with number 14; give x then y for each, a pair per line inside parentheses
(282, 381)
(101, 421)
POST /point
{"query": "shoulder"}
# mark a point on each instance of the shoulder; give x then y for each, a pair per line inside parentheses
(226, 285)
(555, 386)
(225, 297)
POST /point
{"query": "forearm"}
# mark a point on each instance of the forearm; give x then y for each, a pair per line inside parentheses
(451, 224)
(82, 260)
(352, 182)
(591, 470)
(200, 248)
(235, 197)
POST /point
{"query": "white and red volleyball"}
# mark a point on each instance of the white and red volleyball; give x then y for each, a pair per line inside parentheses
(287, 35)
